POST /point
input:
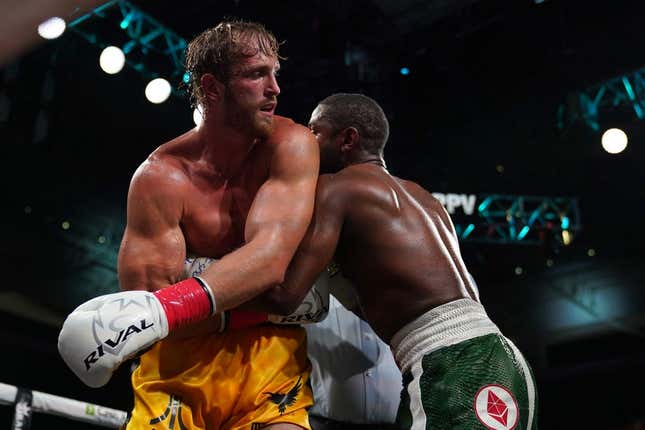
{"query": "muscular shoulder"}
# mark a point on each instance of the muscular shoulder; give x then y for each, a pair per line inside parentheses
(289, 133)
(293, 146)
(357, 187)
(421, 195)
(162, 176)
(342, 188)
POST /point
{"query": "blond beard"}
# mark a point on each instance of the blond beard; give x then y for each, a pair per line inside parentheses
(246, 121)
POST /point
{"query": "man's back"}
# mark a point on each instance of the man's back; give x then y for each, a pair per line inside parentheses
(397, 246)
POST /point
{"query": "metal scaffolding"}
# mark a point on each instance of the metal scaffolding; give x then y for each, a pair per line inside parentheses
(529, 220)
(150, 48)
(589, 105)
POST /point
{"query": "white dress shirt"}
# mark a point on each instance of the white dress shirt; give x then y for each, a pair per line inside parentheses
(354, 376)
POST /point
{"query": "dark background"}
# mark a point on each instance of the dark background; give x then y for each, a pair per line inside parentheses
(486, 81)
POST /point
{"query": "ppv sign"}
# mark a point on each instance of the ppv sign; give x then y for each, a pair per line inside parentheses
(453, 201)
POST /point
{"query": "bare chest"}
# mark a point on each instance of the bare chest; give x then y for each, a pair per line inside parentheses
(215, 215)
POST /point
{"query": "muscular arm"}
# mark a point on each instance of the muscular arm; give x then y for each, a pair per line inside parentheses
(314, 253)
(153, 248)
(276, 223)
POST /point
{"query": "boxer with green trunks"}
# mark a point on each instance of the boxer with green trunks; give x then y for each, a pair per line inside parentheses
(397, 246)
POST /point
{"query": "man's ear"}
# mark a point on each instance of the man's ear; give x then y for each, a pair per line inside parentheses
(351, 138)
(212, 88)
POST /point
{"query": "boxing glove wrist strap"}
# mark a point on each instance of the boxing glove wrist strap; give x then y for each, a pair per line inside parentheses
(186, 302)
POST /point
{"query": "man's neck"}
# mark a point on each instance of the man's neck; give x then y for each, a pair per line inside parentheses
(366, 158)
(224, 148)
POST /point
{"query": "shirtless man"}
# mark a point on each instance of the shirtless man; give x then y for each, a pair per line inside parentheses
(240, 188)
(397, 245)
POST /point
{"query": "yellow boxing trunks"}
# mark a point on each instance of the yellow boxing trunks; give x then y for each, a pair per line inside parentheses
(242, 379)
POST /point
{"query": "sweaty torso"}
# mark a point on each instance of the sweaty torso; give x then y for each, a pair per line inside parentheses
(214, 207)
(398, 247)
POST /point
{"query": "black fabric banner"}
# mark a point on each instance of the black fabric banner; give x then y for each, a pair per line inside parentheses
(22, 411)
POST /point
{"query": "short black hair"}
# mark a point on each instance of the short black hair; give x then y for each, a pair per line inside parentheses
(361, 112)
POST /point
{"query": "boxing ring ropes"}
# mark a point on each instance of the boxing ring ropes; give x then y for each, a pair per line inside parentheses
(25, 401)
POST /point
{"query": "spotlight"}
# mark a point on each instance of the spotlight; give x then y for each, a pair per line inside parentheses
(566, 237)
(52, 28)
(112, 60)
(197, 116)
(158, 90)
(404, 71)
(614, 140)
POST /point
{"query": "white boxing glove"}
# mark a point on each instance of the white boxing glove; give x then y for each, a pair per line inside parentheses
(104, 332)
(314, 306)
(194, 266)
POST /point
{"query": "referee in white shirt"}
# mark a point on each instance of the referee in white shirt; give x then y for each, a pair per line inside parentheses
(355, 380)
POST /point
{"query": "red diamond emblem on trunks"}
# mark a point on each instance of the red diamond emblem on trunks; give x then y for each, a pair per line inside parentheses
(497, 409)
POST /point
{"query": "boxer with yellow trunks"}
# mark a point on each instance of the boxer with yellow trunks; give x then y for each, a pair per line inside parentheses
(239, 187)
(253, 373)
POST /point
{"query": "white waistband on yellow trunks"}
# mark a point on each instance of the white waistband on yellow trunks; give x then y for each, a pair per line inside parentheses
(442, 326)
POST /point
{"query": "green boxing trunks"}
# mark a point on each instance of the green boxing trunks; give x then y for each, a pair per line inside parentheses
(460, 373)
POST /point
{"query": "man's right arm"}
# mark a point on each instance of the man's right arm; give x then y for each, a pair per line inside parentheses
(153, 248)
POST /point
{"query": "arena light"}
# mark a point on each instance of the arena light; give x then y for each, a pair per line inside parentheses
(469, 229)
(566, 237)
(523, 232)
(125, 23)
(197, 116)
(158, 90)
(614, 141)
(112, 60)
(52, 28)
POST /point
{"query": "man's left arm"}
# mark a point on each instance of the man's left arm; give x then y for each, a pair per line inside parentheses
(276, 223)
(314, 254)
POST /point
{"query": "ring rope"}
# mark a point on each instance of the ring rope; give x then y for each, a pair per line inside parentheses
(64, 407)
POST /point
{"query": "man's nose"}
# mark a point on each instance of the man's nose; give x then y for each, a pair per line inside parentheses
(273, 88)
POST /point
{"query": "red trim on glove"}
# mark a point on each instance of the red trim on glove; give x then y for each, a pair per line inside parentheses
(184, 302)
(243, 319)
